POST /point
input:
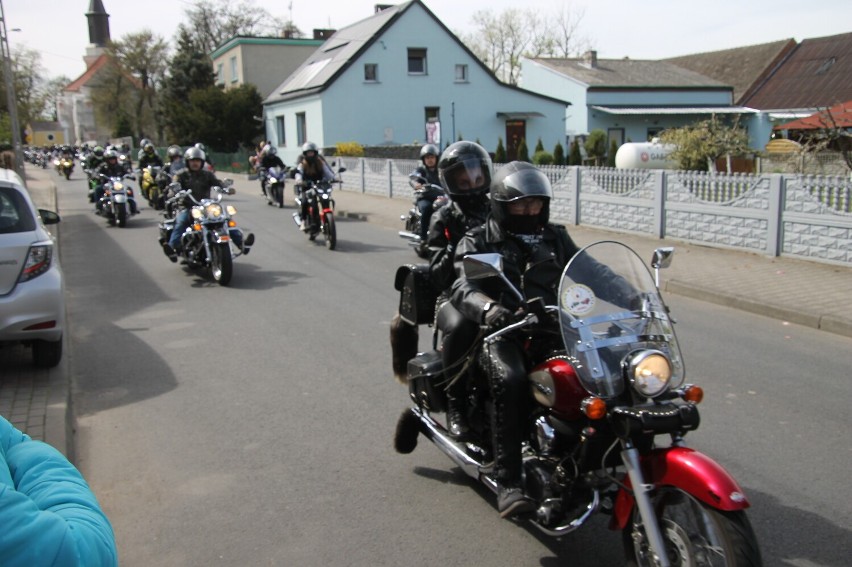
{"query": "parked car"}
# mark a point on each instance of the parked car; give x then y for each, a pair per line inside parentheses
(32, 304)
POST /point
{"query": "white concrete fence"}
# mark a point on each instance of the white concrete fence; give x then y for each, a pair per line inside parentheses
(802, 216)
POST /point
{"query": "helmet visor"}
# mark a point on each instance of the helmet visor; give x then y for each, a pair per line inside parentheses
(466, 176)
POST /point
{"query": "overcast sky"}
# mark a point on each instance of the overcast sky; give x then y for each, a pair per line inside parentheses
(646, 29)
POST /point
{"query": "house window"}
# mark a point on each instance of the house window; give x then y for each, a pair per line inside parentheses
(433, 125)
(416, 61)
(279, 130)
(301, 128)
(654, 133)
(234, 74)
(461, 73)
(371, 72)
(220, 74)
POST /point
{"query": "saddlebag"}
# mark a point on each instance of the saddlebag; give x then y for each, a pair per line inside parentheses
(425, 381)
(417, 295)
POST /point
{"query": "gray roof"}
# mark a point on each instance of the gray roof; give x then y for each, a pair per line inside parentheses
(632, 73)
(744, 68)
(333, 56)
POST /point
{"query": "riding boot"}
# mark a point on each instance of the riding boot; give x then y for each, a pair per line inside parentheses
(404, 341)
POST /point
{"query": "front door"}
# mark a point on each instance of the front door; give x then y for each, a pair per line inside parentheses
(516, 130)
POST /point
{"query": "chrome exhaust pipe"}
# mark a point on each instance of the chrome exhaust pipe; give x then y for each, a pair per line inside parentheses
(436, 433)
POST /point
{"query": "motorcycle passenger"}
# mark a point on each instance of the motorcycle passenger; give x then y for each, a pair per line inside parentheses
(208, 165)
(142, 143)
(465, 173)
(175, 156)
(428, 171)
(312, 168)
(198, 181)
(534, 253)
(95, 159)
(109, 168)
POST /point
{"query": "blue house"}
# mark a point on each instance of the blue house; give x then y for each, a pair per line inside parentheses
(631, 100)
(401, 77)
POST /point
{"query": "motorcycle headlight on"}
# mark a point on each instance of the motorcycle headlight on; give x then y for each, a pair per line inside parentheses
(213, 210)
(649, 372)
(117, 186)
(232, 210)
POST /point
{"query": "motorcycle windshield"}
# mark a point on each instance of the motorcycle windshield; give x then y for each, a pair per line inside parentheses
(610, 307)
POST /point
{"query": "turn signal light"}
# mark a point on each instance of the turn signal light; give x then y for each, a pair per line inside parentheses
(196, 227)
(594, 408)
(692, 393)
(232, 223)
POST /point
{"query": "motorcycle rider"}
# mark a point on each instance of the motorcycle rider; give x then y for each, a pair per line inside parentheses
(148, 156)
(269, 159)
(175, 156)
(428, 171)
(311, 168)
(534, 253)
(95, 159)
(198, 181)
(109, 168)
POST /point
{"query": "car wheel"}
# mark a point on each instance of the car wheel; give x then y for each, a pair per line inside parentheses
(47, 354)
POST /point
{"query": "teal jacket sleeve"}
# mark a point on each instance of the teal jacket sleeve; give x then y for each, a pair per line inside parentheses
(49, 516)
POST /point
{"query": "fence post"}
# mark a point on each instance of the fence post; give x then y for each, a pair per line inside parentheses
(362, 162)
(575, 197)
(777, 188)
(390, 178)
(661, 180)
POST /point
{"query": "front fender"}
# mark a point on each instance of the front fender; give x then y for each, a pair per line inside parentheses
(695, 473)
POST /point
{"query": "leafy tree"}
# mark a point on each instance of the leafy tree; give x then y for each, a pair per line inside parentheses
(610, 157)
(558, 154)
(501, 40)
(500, 152)
(114, 98)
(595, 145)
(218, 118)
(189, 69)
(523, 152)
(699, 145)
(34, 96)
(142, 56)
(539, 147)
(575, 157)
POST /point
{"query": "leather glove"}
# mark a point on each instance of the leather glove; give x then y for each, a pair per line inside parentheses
(496, 315)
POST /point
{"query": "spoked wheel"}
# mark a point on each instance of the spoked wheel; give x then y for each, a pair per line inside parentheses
(695, 535)
(330, 230)
(221, 263)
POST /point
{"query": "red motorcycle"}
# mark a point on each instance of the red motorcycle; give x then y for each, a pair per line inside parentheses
(608, 414)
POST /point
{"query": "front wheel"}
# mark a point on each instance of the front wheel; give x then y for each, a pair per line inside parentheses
(695, 535)
(221, 263)
(330, 232)
(121, 217)
(67, 174)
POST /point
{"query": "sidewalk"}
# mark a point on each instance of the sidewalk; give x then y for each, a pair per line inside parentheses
(806, 293)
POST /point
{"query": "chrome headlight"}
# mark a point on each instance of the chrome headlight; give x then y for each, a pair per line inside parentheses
(232, 210)
(649, 372)
(197, 213)
(214, 210)
(117, 186)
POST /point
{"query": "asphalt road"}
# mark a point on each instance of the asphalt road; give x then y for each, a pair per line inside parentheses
(252, 425)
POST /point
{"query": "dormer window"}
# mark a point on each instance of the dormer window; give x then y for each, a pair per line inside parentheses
(416, 61)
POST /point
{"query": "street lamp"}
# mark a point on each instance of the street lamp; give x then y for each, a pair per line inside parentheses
(11, 99)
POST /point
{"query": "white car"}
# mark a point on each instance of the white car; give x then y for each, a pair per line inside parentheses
(32, 303)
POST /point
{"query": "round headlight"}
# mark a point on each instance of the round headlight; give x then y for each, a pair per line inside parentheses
(196, 213)
(650, 372)
(214, 210)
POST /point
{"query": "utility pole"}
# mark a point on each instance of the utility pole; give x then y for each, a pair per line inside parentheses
(11, 99)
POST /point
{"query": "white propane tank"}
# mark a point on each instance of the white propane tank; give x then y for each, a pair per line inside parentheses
(647, 155)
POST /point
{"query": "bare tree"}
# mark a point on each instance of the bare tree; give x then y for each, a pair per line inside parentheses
(501, 40)
(211, 23)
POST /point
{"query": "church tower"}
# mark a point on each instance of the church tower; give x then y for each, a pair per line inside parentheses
(98, 31)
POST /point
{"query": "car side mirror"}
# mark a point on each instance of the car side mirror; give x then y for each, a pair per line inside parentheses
(48, 217)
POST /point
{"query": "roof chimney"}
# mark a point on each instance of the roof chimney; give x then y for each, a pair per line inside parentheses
(590, 59)
(380, 7)
(321, 33)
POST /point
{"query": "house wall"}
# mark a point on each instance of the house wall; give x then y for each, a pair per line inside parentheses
(290, 148)
(391, 110)
(263, 62)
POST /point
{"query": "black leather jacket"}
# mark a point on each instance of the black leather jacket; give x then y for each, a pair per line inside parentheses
(535, 271)
(431, 176)
(449, 224)
(198, 182)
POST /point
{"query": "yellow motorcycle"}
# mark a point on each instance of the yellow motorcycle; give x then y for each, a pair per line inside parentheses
(149, 186)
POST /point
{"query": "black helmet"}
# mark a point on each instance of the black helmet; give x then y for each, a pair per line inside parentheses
(469, 158)
(98, 151)
(429, 150)
(194, 153)
(271, 150)
(110, 154)
(515, 181)
(174, 151)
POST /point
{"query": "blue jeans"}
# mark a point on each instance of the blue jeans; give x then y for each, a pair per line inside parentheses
(183, 220)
